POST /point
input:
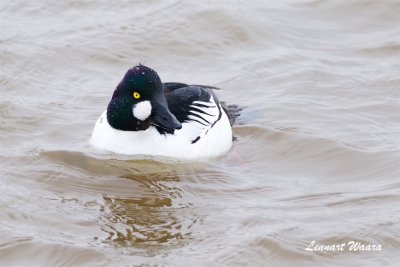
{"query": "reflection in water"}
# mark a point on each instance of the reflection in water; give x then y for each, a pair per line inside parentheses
(151, 216)
(142, 201)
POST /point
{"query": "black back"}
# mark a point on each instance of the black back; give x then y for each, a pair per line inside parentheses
(180, 98)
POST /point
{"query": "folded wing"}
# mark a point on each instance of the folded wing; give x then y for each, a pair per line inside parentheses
(195, 106)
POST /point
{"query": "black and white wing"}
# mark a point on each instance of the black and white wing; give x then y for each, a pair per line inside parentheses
(195, 106)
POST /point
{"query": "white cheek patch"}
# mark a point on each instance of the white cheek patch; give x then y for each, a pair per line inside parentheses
(142, 110)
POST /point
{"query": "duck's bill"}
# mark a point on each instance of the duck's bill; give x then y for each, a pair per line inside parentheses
(162, 117)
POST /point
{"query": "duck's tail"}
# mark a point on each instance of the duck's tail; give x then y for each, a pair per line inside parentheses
(233, 112)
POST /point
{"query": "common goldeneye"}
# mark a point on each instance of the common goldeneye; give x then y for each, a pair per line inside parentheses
(146, 116)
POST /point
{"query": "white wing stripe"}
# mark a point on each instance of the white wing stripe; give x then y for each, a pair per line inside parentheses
(208, 104)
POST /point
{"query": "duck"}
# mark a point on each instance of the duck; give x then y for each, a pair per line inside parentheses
(148, 117)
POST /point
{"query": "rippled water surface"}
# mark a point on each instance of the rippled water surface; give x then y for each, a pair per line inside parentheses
(317, 154)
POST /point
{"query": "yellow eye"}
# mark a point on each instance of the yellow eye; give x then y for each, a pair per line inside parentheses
(136, 95)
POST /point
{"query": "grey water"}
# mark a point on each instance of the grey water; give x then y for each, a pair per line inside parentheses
(317, 156)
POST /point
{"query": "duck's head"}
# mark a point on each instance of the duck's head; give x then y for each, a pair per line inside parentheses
(139, 101)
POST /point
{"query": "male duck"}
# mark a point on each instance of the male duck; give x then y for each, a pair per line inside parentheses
(146, 116)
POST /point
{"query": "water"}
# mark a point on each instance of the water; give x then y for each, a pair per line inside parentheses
(317, 154)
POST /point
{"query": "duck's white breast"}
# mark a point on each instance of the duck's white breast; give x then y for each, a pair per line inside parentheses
(214, 142)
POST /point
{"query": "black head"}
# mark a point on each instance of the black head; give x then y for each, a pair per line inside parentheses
(139, 101)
